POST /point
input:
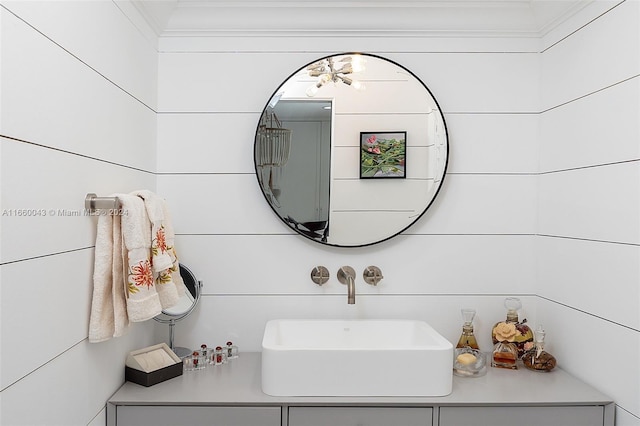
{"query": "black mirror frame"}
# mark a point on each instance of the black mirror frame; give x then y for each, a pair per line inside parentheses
(313, 236)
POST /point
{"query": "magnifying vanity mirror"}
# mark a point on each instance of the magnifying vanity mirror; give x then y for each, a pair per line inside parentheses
(182, 309)
(351, 150)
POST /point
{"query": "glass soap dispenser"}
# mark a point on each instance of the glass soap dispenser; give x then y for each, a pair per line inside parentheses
(468, 339)
(537, 358)
(512, 330)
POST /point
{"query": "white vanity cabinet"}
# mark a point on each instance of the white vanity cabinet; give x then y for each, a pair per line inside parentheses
(360, 416)
(198, 416)
(231, 395)
(523, 416)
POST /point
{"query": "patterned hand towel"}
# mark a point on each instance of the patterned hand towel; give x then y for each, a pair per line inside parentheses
(143, 302)
(170, 236)
(153, 205)
(162, 250)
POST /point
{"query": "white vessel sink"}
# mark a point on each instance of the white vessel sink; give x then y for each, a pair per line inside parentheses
(355, 358)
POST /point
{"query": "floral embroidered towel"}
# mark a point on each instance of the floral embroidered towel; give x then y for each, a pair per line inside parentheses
(170, 238)
(163, 256)
(154, 207)
(143, 302)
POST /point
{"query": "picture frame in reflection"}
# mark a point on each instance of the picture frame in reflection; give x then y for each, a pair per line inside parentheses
(383, 155)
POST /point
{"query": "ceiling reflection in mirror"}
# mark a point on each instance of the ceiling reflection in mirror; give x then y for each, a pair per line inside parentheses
(308, 150)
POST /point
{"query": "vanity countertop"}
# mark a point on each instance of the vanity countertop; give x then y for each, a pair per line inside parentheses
(239, 383)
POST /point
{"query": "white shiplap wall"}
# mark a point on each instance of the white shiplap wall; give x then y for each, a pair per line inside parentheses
(589, 204)
(493, 231)
(476, 244)
(78, 93)
(472, 247)
(78, 115)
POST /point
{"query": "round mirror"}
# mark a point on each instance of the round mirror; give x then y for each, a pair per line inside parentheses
(351, 150)
(183, 308)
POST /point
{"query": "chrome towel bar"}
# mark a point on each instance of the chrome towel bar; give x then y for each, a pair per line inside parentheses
(92, 203)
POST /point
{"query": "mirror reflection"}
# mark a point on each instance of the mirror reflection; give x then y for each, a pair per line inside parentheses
(351, 150)
(190, 297)
(182, 309)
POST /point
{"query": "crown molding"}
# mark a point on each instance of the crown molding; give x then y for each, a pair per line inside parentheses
(156, 13)
(365, 18)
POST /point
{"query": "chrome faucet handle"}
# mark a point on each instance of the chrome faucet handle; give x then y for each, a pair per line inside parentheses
(320, 275)
(372, 275)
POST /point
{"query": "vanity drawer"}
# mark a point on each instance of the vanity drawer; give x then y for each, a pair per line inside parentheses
(128, 415)
(522, 416)
(360, 416)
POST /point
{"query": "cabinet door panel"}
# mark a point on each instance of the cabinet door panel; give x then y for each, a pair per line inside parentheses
(197, 416)
(360, 416)
(522, 416)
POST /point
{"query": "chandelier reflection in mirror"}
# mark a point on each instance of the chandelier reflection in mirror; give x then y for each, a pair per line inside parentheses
(336, 69)
(273, 144)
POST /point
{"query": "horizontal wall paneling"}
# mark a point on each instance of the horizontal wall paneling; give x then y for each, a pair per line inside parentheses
(607, 61)
(567, 329)
(98, 118)
(570, 269)
(100, 35)
(597, 203)
(600, 128)
(71, 389)
(36, 209)
(287, 261)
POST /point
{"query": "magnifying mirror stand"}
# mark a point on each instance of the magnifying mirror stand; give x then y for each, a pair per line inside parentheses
(180, 351)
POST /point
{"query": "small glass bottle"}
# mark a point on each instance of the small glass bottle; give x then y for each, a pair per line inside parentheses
(537, 358)
(195, 361)
(207, 353)
(468, 339)
(220, 356)
(505, 355)
(187, 363)
(232, 350)
(522, 336)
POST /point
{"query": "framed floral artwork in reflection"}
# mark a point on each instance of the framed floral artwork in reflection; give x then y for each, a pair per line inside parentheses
(383, 155)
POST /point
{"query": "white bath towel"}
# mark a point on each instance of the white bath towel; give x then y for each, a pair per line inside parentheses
(108, 316)
(143, 302)
(121, 315)
(136, 270)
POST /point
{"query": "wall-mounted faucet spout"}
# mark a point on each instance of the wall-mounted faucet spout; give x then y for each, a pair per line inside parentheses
(347, 276)
(351, 291)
